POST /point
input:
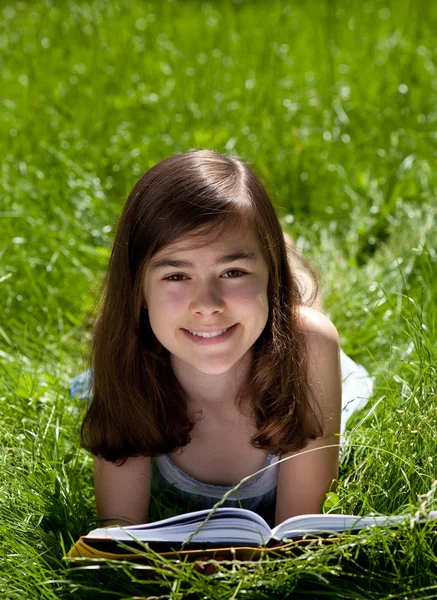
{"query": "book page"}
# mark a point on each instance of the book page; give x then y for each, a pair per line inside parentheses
(233, 525)
(297, 527)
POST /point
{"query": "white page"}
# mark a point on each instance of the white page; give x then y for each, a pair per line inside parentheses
(318, 523)
(233, 525)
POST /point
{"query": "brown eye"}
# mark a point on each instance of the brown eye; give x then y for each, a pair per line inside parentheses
(240, 273)
(170, 277)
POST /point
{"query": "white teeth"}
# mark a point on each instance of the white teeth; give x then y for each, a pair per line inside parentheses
(209, 335)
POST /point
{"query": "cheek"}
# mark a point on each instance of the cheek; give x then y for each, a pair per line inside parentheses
(167, 299)
(251, 296)
(250, 290)
(172, 299)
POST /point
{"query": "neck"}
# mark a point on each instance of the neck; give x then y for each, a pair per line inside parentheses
(204, 390)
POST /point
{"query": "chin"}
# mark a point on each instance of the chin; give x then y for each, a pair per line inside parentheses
(213, 369)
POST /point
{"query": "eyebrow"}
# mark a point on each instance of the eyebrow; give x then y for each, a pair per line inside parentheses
(185, 264)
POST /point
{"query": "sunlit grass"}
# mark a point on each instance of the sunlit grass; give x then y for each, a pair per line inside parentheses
(334, 106)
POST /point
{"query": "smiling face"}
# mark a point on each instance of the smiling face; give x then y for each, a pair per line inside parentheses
(205, 288)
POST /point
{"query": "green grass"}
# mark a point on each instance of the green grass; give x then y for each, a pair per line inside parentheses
(334, 104)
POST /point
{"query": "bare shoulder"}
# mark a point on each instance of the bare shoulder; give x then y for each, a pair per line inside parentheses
(317, 326)
(324, 366)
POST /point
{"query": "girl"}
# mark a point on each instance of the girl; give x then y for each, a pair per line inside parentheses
(207, 365)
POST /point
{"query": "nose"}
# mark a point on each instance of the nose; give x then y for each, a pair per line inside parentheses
(206, 299)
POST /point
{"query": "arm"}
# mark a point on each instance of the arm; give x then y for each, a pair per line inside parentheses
(122, 492)
(304, 480)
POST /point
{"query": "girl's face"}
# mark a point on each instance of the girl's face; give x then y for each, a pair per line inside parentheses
(217, 288)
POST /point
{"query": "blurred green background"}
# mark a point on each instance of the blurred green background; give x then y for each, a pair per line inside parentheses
(334, 105)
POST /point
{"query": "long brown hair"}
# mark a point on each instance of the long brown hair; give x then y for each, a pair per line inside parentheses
(138, 406)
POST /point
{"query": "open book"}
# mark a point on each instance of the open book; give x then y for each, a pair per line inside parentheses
(223, 528)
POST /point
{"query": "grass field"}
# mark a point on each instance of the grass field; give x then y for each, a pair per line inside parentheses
(334, 104)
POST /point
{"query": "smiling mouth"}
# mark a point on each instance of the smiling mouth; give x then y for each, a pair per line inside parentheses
(208, 334)
(218, 334)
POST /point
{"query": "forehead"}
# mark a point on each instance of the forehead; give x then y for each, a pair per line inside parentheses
(226, 237)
